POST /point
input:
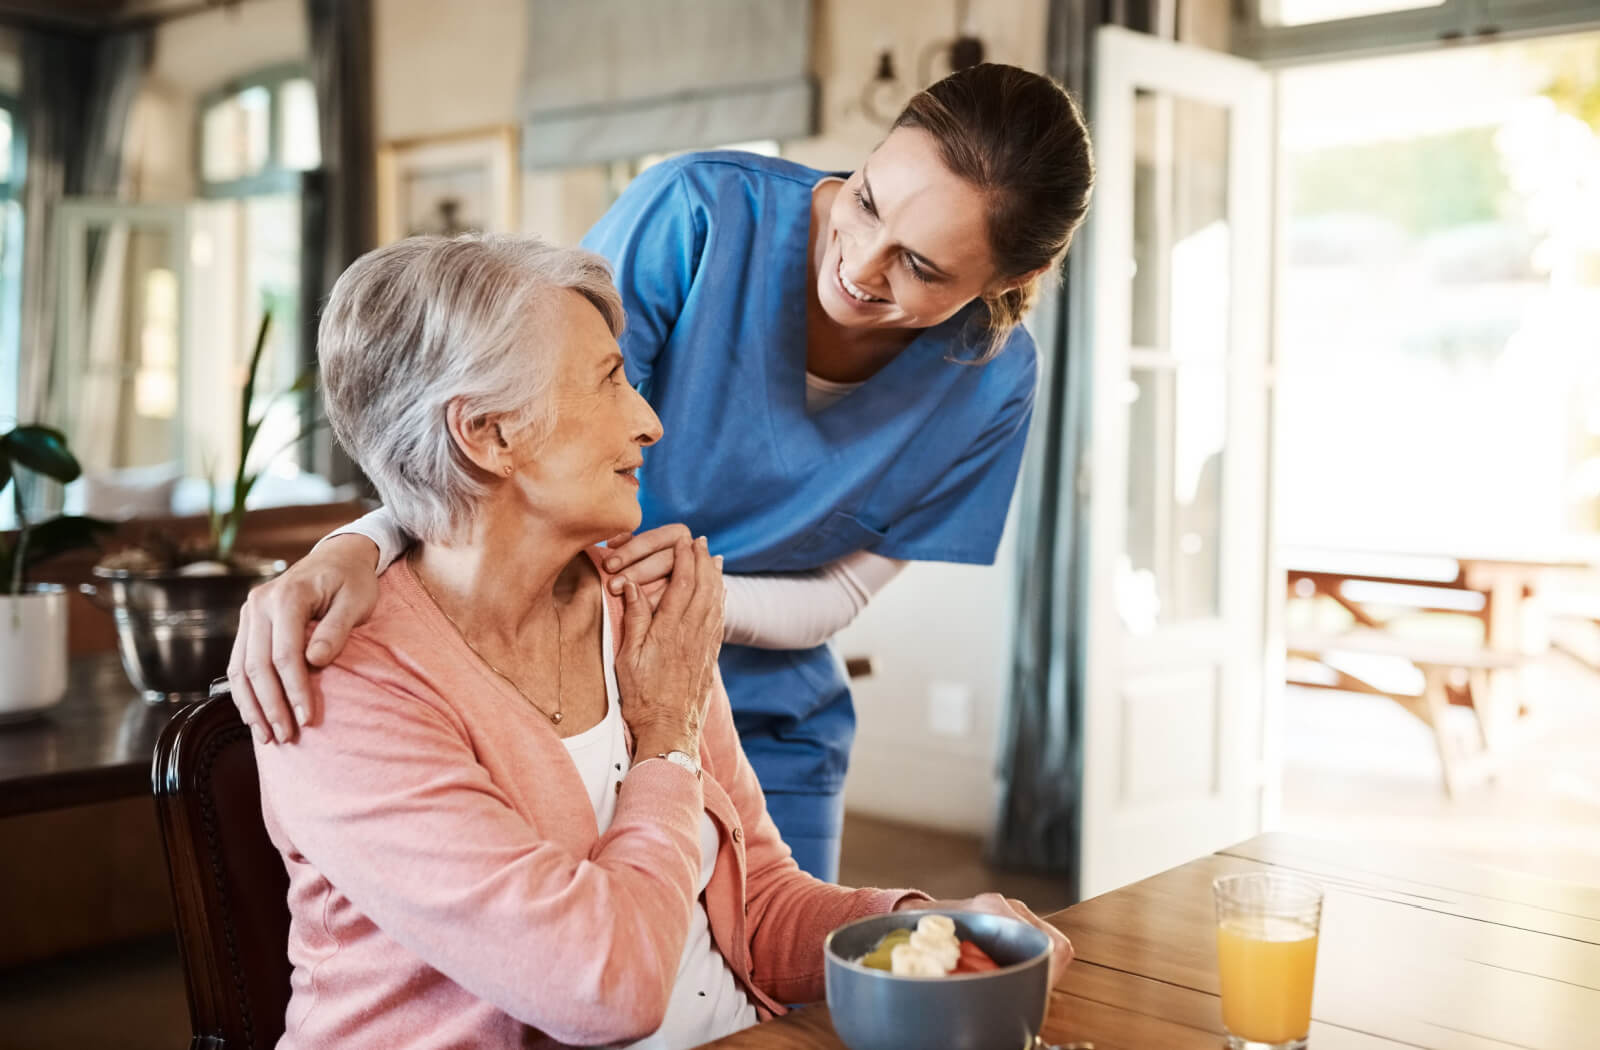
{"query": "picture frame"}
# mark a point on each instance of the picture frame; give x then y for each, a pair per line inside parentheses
(446, 184)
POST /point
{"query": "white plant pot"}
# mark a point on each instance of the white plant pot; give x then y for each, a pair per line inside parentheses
(33, 651)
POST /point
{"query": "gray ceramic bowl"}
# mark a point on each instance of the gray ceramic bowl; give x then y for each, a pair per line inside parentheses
(999, 1010)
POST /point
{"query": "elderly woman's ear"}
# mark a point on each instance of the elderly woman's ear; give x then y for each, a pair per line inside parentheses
(481, 440)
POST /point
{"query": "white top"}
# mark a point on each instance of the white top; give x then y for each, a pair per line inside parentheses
(823, 393)
(707, 1002)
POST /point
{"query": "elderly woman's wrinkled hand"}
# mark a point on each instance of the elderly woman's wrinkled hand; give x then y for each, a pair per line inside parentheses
(667, 661)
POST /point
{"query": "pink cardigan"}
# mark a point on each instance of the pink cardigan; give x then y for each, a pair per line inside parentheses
(447, 883)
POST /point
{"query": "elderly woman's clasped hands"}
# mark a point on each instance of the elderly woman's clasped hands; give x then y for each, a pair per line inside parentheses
(668, 658)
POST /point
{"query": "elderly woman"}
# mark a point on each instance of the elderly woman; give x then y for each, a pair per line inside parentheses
(528, 820)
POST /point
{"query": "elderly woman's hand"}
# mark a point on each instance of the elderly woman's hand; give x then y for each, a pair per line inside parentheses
(995, 904)
(668, 657)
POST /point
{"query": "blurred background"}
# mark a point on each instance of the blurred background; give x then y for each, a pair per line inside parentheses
(1308, 534)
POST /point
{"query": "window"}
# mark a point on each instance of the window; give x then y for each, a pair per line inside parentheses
(256, 136)
(1283, 31)
(256, 133)
(1311, 12)
(11, 168)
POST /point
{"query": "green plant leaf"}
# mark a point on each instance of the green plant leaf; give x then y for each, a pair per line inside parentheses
(44, 450)
(225, 523)
(59, 535)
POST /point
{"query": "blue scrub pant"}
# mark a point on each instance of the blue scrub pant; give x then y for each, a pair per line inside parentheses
(810, 824)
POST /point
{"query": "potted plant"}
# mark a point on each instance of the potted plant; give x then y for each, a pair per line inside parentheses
(33, 618)
(176, 603)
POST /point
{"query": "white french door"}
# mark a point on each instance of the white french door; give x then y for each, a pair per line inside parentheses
(1174, 762)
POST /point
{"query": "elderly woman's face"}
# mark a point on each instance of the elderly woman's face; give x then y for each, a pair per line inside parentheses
(584, 475)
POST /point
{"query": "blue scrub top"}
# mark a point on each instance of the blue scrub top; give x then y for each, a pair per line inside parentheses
(711, 252)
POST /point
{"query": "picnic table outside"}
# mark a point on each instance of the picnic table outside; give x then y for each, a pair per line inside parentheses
(1503, 590)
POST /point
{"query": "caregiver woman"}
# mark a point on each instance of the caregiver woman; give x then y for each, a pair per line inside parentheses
(845, 386)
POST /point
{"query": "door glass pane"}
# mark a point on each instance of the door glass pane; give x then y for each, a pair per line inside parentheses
(234, 136)
(5, 145)
(1308, 12)
(299, 147)
(250, 264)
(1177, 427)
(120, 383)
(271, 260)
(1181, 231)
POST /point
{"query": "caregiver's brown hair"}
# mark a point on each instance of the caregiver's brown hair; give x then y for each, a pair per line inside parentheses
(1021, 140)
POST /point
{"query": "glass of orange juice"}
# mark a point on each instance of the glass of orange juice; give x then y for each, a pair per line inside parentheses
(1267, 926)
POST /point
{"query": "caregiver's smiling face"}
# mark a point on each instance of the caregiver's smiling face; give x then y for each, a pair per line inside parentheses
(907, 241)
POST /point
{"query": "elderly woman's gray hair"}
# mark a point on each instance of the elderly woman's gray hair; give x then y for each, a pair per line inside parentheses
(413, 326)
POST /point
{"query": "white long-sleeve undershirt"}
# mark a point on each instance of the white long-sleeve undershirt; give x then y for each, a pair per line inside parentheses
(799, 610)
(791, 610)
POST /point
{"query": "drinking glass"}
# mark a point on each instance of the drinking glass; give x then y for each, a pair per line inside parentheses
(1267, 928)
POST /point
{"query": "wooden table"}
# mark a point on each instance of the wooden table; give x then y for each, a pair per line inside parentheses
(1415, 952)
(94, 746)
(81, 863)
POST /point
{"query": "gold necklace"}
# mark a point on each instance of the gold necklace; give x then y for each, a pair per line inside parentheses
(557, 715)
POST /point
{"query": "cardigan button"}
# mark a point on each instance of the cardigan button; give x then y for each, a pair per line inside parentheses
(738, 834)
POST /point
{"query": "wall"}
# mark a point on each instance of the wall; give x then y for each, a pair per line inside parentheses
(201, 52)
(851, 33)
(438, 72)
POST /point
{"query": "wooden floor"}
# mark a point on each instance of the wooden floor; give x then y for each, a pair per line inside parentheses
(129, 997)
(941, 864)
(136, 991)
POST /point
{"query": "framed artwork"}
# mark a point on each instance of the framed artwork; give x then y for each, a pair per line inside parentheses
(448, 184)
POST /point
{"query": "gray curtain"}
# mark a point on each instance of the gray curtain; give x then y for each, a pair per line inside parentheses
(614, 79)
(1041, 758)
(338, 222)
(77, 94)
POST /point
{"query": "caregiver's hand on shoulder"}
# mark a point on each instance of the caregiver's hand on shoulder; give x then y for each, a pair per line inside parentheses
(337, 584)
(645, 558)
(996, 904)
(668, 657)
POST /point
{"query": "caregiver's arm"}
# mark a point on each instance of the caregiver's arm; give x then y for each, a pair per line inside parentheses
(335, 584)
(799, 610)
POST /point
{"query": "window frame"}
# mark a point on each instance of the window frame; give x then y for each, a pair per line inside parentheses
(273, 177)
(1454, 22)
